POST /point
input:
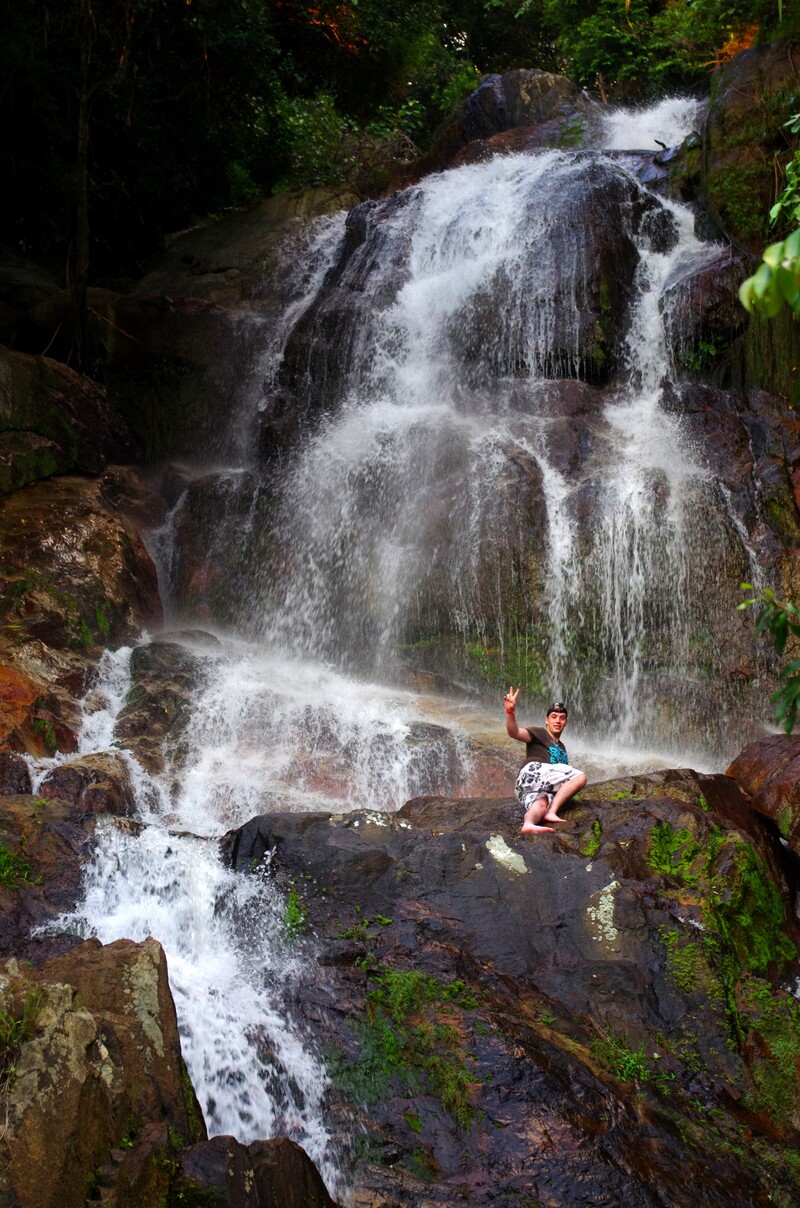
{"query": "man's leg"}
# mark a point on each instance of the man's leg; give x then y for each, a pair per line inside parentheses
(568, 789)
(533, 816)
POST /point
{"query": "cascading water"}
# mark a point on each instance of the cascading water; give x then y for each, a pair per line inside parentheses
(491, 479)
(467, 482)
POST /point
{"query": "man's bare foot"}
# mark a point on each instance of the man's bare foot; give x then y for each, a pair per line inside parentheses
(530, 828)
(553, 818)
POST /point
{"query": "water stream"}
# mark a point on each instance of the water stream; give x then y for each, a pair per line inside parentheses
(406, 516)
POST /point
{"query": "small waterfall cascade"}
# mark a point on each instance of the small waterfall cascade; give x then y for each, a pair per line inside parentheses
(489, 481)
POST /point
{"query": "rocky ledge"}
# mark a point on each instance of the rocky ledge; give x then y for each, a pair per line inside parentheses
(601, 1016)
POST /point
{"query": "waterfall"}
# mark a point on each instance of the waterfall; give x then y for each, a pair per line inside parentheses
(488, 484)
(491, 462)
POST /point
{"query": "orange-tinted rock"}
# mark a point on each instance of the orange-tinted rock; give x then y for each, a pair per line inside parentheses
(18, 695)
(769, 772)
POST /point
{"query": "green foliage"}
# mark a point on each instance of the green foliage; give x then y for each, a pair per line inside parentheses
(17, 1024)
(14, 871)
(294, 915)
(616, 1054)
(592, 845)
(409, 1038)
(781, 620)
(674, 852)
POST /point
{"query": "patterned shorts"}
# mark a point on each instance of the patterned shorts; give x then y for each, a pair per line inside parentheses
(542, 780)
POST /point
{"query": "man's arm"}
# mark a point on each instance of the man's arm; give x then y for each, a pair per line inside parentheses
(512, 729)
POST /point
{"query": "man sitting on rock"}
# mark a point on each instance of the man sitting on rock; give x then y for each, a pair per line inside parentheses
(547, 780)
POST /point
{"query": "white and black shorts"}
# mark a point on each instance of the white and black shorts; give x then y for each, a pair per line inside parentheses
(538, 780)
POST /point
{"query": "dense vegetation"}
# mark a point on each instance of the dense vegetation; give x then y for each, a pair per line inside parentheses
(135, 117)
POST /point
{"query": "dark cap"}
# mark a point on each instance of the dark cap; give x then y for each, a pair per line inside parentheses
(559, 707)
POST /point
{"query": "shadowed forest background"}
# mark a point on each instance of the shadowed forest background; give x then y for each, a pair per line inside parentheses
(126, 120)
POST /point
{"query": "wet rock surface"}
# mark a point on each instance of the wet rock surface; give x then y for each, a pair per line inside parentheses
(164, 677)
(768, 771)
(541, 108)
(97, 1054)
(569, 1018)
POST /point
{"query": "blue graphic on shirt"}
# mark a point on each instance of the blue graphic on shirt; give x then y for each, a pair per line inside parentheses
(558, 755)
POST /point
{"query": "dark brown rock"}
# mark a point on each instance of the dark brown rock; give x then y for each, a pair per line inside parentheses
(523, 98)
(46, 844)
(285, 1176)
(96, 784)
(165, 675)
(15, 776)
(768, 771)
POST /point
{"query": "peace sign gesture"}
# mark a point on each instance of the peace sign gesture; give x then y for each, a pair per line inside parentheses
(510, 699)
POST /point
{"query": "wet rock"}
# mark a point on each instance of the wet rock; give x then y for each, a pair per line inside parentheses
(768, 771)
(222, 530)
(565, 983)
(74, 576)
(703, 316)
(98, 1057)
(165, 676)
(260, 1175)
(523, 98)
(168, 342)
(45, 844)
(15, 776)
(96, 784)
(53, 420)
(570, 317)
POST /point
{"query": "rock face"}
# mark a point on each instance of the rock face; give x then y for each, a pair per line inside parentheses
(52, 421)
(164, 677)
(544, 109)
(74, 576)
(769, 772)
(568, 1019)
(99, 1055)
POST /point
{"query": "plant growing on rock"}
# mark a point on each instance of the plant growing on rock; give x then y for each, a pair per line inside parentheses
(781, 620)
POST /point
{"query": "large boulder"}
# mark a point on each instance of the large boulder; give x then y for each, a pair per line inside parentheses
(546, 110)
(768, 771)
(567, 1017)
(53, 420)
(96, 1057)
(44, 845)
(561, 313)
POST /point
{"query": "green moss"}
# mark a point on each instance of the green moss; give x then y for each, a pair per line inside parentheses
(674, 852)
(785, 821)
(684, 960)
(294, 915)
(194, 1117)
(14, 871)
(748, 915)
(775, 1018)
(592, 845)
(409, 1039)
